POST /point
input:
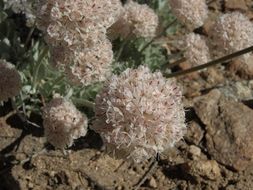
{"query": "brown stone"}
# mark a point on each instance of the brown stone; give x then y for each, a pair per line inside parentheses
(152, 183)
(244, 70)
(207, 169)
(194, 133)
(229, 129)
(205, 106)
(236, 5)
(194, 152)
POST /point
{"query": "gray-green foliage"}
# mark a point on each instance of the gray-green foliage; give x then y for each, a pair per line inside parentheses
(41, 81)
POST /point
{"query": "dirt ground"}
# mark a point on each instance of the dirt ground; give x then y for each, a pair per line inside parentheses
(216, 153)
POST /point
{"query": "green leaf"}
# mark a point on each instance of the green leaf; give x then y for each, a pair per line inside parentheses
(3, 16)
(41, 73)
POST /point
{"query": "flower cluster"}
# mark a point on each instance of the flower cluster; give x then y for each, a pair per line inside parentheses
(10, 81)
(78, 27)
(90, 64)
(139, 113)
(191, 13)
(232, 32)
(63, 123)
(76, 22)
(136, 20)
(196, 49)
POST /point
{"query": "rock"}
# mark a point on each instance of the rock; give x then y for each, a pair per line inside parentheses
(205, 106)
(207, 169)
(244, 70)
(152, 183)
(173, 155)
(214, 76)
(119, 188)
(208, 25)
(194, 133)
(236, 4)
(215, 5)
(229, 129)
(194, 152)
(241, 90)
(191, 88)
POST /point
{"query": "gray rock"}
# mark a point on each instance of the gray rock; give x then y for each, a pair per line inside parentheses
(242, 90)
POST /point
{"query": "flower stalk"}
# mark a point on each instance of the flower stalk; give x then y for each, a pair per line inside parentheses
(211, 63)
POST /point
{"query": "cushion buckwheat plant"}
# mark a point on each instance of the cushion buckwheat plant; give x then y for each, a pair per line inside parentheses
(63, 123)
(191, 13)
(76, 34)
(10, 81)
(139, 114)
(196, 50)
(136, 20)
(232, 32)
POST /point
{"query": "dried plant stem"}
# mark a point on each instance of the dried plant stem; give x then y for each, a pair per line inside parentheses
(211, 63)
(29, 36)
(150, 172)
(42, 151)
(121, 164)
(21, 116)
(9, 115)
(159, 35)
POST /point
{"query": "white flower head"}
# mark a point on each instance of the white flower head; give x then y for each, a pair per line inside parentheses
(63, 123)
(232, 32)
(191, 13)
(136, 20)
(87, 66)
(139, 113)
(196, 49)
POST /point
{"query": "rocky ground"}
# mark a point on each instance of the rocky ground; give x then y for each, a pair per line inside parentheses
(216, 153)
